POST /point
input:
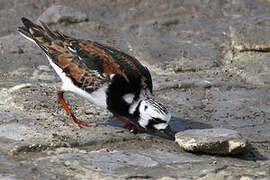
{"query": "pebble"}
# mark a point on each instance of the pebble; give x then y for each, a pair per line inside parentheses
(67, 163)
(246, 178)
(212, 141)
(44, 68)
(167, 178)
(20, 86)
(58, 13)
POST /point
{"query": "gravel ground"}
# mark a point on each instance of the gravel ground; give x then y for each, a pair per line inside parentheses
(210, 62)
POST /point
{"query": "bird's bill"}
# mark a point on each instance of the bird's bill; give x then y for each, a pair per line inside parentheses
(168, 131)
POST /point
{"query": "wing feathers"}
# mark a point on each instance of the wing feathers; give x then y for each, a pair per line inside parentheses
(85, 62)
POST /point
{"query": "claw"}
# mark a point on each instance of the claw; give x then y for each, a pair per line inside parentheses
(78, 122)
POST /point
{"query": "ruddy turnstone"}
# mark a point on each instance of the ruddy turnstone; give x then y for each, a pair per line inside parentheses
(103, 75)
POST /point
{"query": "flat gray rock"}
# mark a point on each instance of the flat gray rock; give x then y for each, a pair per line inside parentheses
(245, 61)
(212, 141)
(250, 37)
(59, 13)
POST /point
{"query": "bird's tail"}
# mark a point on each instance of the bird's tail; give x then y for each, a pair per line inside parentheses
(40, 35)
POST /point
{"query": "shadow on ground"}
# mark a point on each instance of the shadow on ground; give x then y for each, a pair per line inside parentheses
(177, 124)
(252, 155)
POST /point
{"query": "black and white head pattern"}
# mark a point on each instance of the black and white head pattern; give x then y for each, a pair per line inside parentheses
(153, 115)
(149, 113)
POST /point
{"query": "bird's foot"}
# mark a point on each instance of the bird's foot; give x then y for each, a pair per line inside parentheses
(134, 129)
(79, 123)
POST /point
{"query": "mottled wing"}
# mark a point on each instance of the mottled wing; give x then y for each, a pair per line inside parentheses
(59, 48)
(108, 60)
(89, 64)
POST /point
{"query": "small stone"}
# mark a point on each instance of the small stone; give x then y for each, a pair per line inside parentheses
(212, 141)
(213, 176)
(167, 178)
(75, 163)
(49, 153)
(20, 51)
(261, 173)
(44, 68)
(246, 178)
(67, 163)
(20, 86)
(15, 43)
(58, 13)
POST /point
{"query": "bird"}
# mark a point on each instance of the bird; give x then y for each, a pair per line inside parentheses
(102, 74)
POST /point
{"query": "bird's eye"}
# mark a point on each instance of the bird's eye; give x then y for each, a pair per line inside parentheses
(157, 120)
(145, 107)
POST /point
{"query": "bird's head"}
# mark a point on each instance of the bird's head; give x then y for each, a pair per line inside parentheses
(152, 115)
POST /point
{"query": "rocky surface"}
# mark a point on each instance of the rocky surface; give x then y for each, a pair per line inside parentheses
(250, 37)
(247, 41)
(199, 72)
(212, 141)
(62, 14)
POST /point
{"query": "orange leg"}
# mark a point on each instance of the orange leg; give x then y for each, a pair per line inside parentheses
(133, 128)
(123, 120)
(69, 113)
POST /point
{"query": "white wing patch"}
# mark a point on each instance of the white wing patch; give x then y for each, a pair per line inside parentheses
(129, 97)
(71, 49)
(111, 76)
(134, 105)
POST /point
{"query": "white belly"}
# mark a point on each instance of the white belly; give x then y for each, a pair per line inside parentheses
(97, 97)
